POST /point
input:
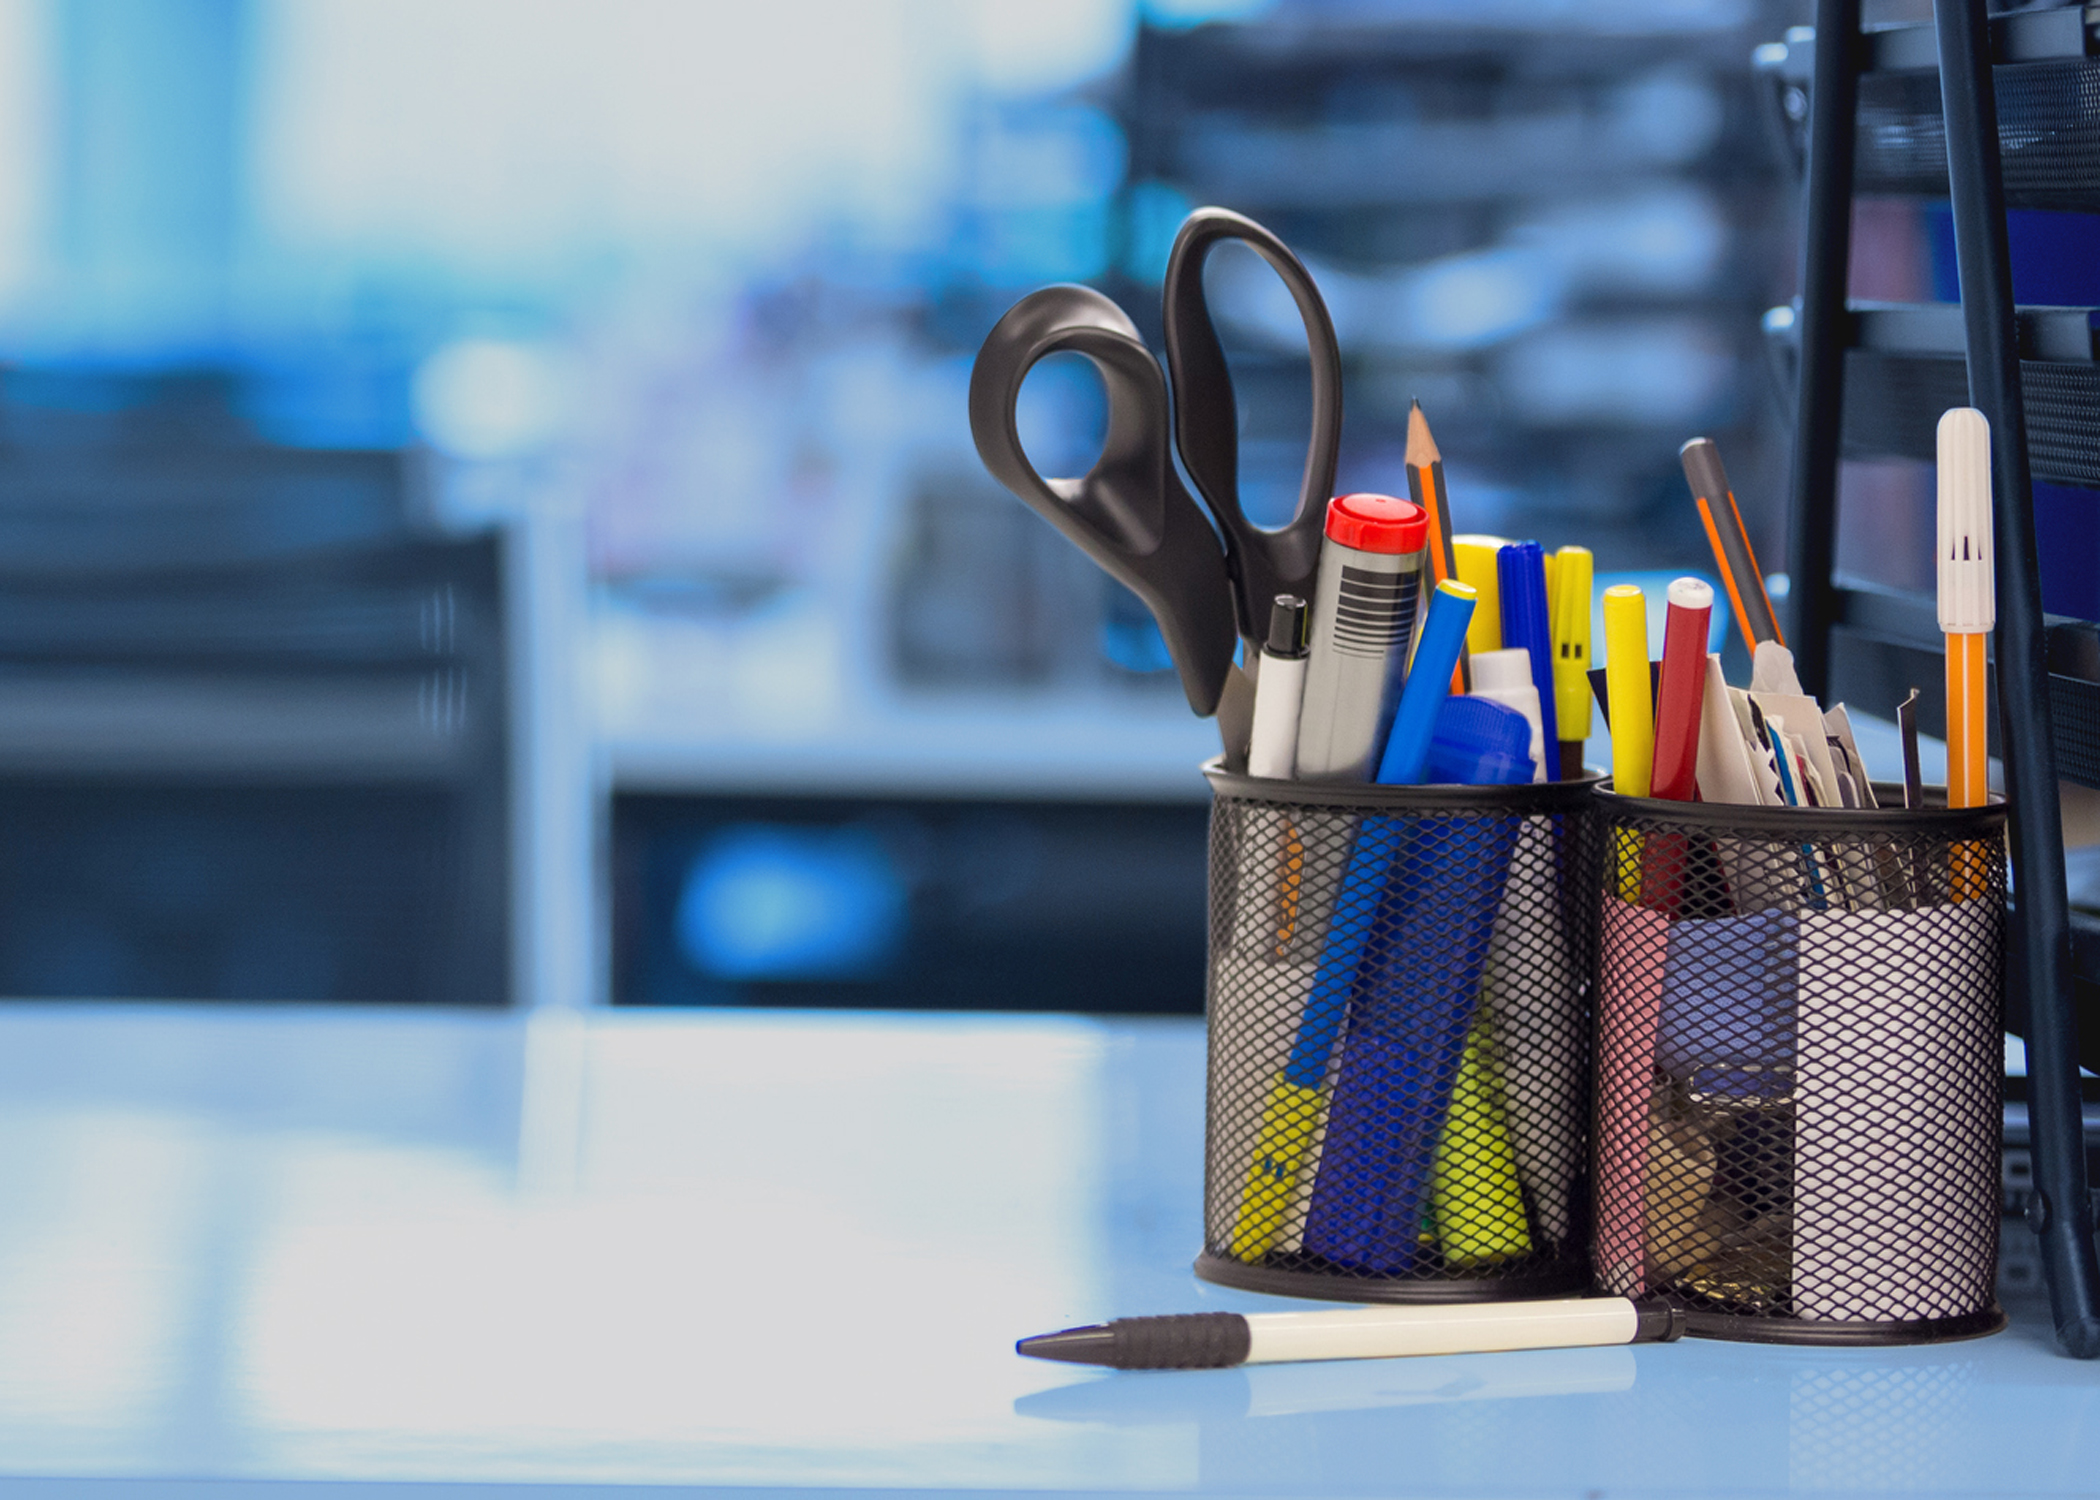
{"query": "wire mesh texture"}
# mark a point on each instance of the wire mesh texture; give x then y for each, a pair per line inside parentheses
(1400, 1019)
(1799, 1060)
(2048, 132)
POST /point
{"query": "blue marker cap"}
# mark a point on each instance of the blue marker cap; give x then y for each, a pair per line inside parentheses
(1479, 742)
(1521, 573)
(1428, 682)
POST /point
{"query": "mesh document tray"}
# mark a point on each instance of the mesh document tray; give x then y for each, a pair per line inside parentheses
(1799, 1064)
(1893, 402)
(1400, 1016)
(2048, 132)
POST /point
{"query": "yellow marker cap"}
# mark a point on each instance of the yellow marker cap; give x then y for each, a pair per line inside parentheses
(1573, 706)
(1474, 558)
(1627, 686)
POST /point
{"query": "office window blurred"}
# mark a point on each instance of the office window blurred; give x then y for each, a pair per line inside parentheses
(701, 283)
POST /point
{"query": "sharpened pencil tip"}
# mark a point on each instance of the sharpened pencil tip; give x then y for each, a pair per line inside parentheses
(1421, 447)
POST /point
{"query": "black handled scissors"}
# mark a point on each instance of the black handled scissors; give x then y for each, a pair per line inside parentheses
(1129, 512)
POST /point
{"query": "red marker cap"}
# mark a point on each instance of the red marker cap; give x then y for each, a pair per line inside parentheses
(1377, 523)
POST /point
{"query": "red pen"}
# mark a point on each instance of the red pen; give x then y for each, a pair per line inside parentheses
(1682, 690)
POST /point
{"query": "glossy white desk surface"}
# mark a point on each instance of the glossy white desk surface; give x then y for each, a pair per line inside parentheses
(731, 1250)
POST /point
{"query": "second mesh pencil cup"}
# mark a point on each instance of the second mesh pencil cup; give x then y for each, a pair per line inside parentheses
(1400, 1021)
(1799, 1056)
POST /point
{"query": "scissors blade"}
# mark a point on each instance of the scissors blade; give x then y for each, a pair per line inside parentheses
(1236, 718)
(1206, 416)
(1128, 512)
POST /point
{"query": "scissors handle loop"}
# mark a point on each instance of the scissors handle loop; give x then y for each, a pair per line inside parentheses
(1263, 563)
(1128, 512)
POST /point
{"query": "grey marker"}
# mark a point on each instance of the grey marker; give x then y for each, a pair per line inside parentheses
(1363, 622)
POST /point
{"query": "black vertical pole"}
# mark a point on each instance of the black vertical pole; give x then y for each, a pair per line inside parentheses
(1811, 554)
(2063, 1214)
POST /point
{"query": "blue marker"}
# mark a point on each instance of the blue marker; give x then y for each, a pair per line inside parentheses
(1521, 576)
(1416, 995)
(1428, 683)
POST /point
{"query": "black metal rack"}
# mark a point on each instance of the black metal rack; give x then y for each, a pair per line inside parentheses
(1911, 110)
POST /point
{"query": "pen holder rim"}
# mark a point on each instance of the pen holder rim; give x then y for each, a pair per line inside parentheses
(1516, 797)
(1935, 819)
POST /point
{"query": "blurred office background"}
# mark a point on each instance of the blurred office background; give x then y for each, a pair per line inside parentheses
(486, 508)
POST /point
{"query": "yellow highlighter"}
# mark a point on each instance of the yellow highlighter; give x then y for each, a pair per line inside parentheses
(1632, 717)
(1272, 1204)
(1474, 1190)
(1570, 613)
(1474, 558)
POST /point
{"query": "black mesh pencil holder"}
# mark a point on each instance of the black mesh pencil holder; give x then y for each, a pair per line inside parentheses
(1798, 1064)
(1400, 1022)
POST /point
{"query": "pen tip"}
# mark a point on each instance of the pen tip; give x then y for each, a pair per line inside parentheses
(1077, 1346)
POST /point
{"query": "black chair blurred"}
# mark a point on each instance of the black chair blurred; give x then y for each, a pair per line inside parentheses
(253, 711)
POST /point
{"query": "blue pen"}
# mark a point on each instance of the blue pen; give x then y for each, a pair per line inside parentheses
(1521, 576)
(1428, 683)
(1417, 988)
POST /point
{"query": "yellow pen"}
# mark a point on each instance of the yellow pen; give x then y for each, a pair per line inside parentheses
(1632, 717)
(1570, 606)
(1474, 558)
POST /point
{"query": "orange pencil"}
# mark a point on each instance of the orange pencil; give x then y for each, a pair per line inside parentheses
(1425, 485)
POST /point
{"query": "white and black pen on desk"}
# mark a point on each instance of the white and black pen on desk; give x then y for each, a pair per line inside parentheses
(1219, 1340)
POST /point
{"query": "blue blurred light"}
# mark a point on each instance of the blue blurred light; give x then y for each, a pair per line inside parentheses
(1179, 13)
(488, 398)
(772, 902)
(1135, 645)
(1062, 415)
(1152, 217)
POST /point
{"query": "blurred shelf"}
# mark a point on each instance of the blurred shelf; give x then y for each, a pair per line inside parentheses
(1323, 166)
(1091, 748)
(279, 729)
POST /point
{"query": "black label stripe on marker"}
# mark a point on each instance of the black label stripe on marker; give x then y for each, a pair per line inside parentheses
(1374, 611)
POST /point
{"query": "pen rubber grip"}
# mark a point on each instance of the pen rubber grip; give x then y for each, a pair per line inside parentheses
(1181, 1341)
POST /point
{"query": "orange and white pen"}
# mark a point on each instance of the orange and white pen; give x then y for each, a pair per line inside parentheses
(1967, 596)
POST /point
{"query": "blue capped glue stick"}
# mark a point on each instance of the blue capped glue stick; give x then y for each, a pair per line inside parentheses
(1479, 742)
(1428, 683)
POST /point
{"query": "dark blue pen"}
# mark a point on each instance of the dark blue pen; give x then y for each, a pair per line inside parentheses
(1521, 575)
